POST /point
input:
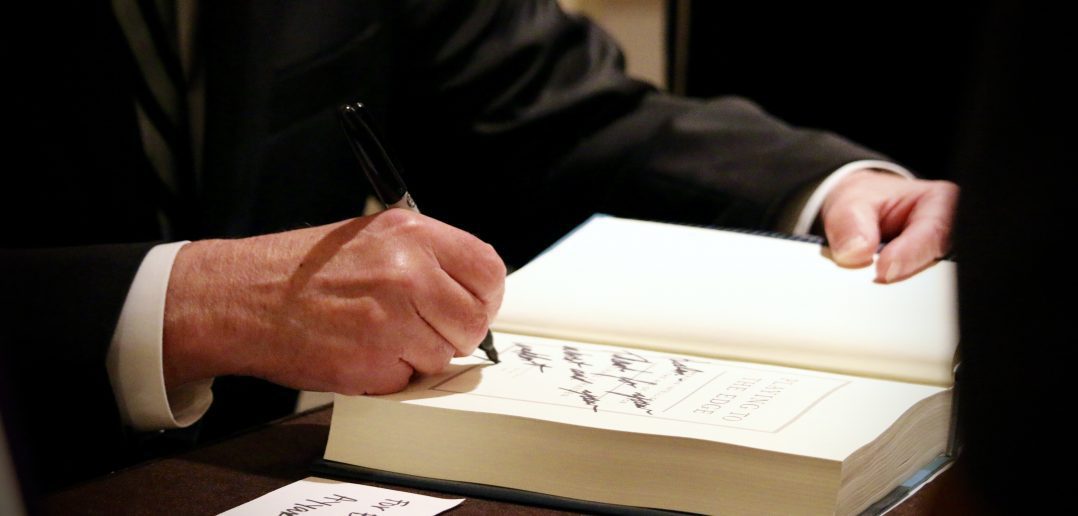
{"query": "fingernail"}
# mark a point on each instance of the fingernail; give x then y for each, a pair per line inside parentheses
(845, 252)
(893, 272)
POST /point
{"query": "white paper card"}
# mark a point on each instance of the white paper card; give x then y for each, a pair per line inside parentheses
(324, 497)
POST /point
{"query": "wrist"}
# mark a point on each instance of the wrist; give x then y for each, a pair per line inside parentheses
(807, 208)
(213, 309)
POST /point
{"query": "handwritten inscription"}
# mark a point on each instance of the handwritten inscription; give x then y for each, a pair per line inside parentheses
(528, 356)
(312, 504)
(579, 375)
(638, 400)
(574, 356)
(381, 506)
(681, 367)
(602, 379)
(587, 397)
(631, 382)
(322, 496)
(624, 361)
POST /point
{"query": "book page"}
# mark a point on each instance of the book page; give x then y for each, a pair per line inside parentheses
(734, 295)
(793, 411)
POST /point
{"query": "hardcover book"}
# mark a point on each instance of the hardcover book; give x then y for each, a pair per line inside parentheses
(660, 366)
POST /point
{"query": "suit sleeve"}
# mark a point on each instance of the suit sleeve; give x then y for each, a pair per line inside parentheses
(60, 310)
(518, 109)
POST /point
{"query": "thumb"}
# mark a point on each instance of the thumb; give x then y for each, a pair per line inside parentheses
(853, 232)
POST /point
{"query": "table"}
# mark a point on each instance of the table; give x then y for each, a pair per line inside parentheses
(218, 477)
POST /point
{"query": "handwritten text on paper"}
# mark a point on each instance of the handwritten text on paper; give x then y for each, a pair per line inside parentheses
(321, 496)
(643, 383)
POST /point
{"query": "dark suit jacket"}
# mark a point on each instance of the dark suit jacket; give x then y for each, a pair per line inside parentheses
(512, 120)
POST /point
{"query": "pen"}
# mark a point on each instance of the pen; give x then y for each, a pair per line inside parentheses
(384, 176)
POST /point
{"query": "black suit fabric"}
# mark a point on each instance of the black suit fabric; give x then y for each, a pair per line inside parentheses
(511, 119)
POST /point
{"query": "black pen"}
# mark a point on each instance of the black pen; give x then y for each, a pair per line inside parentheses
(384, 176)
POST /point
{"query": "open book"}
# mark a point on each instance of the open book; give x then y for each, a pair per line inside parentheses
(683, 368)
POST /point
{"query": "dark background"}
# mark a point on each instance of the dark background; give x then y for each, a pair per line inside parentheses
(892, 76)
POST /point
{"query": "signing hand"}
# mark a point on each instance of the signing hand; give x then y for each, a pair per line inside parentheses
(914, 215)
(353, 307)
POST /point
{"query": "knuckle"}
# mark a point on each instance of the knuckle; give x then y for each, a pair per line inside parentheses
(389, 384)
(946, 188)
(398, 218)
(474, 327)
(494, 303)
(403, 225)
(447, 351)
(432, 357)
(490, 260)
(386, 375)
(488, 266)
(937, 188)
(343, 374)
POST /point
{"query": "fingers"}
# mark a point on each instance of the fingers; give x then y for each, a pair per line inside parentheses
(374, 354)
(464, 295)
(853, 233)
(424, 347)
(408, 344)
(867, 206)
(455, 285)
(455, 313)
(926, 236)
(390, 378)
(474, 264)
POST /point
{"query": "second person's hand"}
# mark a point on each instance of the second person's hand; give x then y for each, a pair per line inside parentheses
(914, 216)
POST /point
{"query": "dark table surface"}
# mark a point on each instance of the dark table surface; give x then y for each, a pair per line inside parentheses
(219, 477)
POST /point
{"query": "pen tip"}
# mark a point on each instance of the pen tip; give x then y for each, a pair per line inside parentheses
(488, 347)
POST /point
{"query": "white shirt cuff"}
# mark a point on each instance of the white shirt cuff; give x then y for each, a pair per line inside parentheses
(810, 208)
(135, 355)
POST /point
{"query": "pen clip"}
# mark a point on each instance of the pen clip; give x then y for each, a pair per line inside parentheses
(371, 153)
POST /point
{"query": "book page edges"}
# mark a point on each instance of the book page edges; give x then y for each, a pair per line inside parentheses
(875, 469)
(577, 462)
(382, 432)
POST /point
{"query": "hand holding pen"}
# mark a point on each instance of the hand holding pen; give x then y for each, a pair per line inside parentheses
(384, 175)
(353, 307)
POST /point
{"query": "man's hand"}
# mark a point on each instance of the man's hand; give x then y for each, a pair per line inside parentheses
(914, 215)
(353, 307)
